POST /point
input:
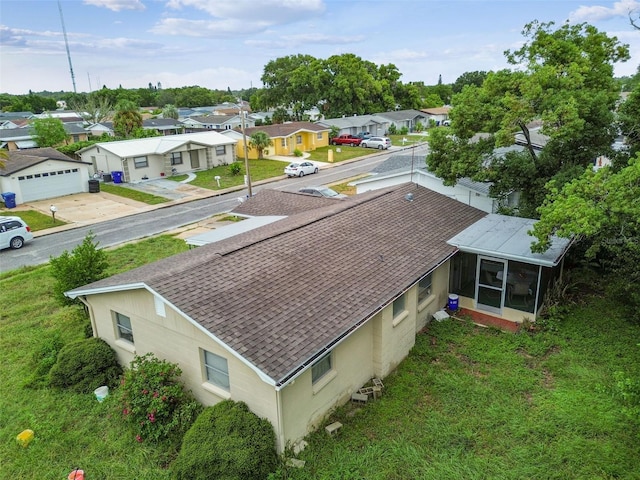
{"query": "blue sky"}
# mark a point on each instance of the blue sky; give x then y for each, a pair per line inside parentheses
(226, 43)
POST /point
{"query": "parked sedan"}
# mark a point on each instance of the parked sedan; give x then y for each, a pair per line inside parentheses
(322, 192)
(14, 233)
(381, 143)
(300, 169)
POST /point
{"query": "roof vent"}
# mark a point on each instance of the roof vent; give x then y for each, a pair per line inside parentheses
(409, 197)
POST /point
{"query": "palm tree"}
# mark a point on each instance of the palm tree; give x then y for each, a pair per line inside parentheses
(127, 119)
(260, 140)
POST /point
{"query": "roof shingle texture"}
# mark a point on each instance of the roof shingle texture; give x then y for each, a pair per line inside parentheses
(281, 294)
(20, 159)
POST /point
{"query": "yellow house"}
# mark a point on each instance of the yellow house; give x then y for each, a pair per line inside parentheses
(287, 137)
(295, 316)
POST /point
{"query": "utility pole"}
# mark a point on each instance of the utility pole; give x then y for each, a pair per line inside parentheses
(246, 155)
(66, 43)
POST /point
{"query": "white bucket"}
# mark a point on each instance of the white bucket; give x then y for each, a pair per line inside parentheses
(101, 392)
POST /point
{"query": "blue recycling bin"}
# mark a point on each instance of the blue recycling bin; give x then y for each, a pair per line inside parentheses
(117, 177)
(9, 199)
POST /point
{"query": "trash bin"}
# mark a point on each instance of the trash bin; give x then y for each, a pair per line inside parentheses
(9, 199)
(106, 178)
(94, 186)
(117, 177)
(453, 302)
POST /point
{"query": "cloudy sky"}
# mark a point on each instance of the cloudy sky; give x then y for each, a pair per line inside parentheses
(226, 43)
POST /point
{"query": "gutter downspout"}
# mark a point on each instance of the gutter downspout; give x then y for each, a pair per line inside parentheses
(280, 422)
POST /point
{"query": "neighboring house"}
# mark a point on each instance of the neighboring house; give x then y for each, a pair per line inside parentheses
(15, 115)
(8, 124)
(438, 115)
(373, 124)
(407, 168)
(163, 126)
(99, 129)
(295, 316)
(17, 139)
(76, 132)
(287, 137)
(40, 173)
(405, 118)
(155, 157)
(217, 122)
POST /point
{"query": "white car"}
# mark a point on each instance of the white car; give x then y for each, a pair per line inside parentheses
(300, 169)
(381, 143)
(322, 192)
(14, 232)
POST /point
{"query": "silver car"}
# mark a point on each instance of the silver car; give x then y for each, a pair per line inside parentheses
(381, 143)
(14, 232)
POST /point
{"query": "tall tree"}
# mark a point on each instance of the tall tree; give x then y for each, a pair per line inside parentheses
(127, 119)
(49, 132)
(469, 78)
(95, 108)
(629, 119)
(565, 81)
(260, 141)
(170, 111)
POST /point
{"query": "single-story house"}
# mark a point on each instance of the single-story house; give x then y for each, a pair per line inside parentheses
(295, 316)
(439, 115)
(40, 173)
(17, 138)
(162, 126)
(405, 118)
(287, 137)
(218, 122)
(372, 124)
(155, 157)
(402, 168)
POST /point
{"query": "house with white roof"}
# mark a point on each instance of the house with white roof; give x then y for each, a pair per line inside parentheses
(155, 157)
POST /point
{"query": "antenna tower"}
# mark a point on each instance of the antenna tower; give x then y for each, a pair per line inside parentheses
(66, 43)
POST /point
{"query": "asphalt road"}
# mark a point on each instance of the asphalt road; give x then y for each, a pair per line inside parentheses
(133, 227)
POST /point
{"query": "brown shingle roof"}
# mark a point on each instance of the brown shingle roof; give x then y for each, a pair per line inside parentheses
(286, 129)
(20, 159)
(275, 202)
(281, 294)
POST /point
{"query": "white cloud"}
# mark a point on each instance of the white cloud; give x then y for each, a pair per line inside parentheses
(272, 12)
(597, 12)
(117, 5)
(205, 28)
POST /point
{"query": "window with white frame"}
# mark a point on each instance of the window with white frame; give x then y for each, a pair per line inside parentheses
(321, 368)
(176, 158)
(140, 162)
(298, 139)
(221, 149)
(216, 370)
(123, 327)
(283, 142)
(319, 137)
(398, 306)
(424, 288)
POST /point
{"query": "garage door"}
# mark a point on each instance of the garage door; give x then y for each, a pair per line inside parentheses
(50, 184)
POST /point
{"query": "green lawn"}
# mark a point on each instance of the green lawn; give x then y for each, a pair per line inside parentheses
(259, 170)
(468, 402)
(36, 220)
(123, 191)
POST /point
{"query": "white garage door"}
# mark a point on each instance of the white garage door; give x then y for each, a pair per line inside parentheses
(50, 184)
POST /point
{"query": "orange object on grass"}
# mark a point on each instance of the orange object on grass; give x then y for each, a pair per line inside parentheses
(76, 474)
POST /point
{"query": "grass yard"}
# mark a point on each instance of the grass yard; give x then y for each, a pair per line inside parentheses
(259, 169)
(132, 194)
(468, 403)
(36, 220)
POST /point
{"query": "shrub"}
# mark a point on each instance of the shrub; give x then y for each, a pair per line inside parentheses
(84, 365)
(235, 168)
(297, 152)
(154, 402)
(85, 264)
(43, 358)
(404, 130)
(227, 441)
(392, 129)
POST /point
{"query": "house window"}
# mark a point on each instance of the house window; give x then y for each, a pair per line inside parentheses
(321, 368)
(123, 326)
(298, 139)
(221, 149)
(140, 162)
(176, 158)
(319, 137)
(217, 370)
(398, 306)
(283, 142)
(424, 288)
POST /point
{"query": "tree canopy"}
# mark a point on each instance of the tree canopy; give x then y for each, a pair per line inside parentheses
(563, 79)
(48, 131)
(127, 119)
(260, 141)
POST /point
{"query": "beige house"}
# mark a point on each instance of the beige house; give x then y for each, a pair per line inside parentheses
(155, 157)
(295, 316)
